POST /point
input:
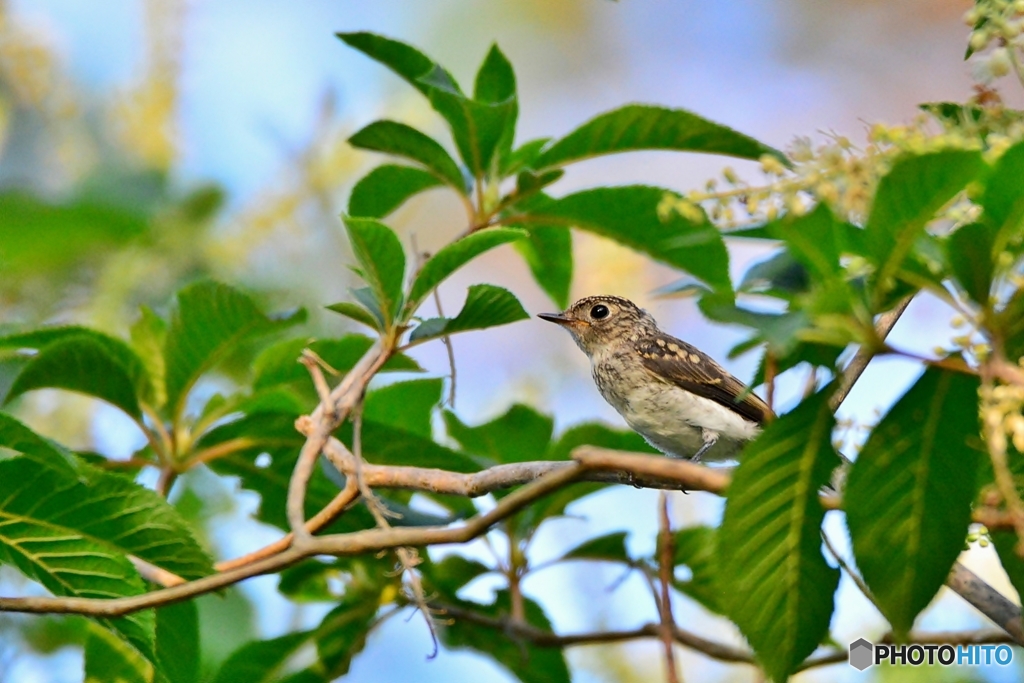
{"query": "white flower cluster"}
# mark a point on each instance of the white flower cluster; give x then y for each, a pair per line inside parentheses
(997, 38)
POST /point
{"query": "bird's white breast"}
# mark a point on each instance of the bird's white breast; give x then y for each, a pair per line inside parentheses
(670, 418)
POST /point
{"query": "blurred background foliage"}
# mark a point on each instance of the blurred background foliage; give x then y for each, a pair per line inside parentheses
(147, 143)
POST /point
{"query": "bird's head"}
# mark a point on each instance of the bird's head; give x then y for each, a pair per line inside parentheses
(598, 322)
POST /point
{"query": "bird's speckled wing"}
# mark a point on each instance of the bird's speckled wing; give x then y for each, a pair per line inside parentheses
(693, 370)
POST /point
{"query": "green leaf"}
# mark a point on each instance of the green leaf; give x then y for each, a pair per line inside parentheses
(73, 538)
(695, 549)
(405, 405)
(780, 275)
(382, 259)
(1005, 542)
(779, 330)
(398, 139)
(18, 438)
(486, 306)
(970, 254)
(495, 81)
(455, 255)
(387, 445)
(908, 496)
(480, 129)
(547, 250)
(309, 581)
(403, 59)
(149, 337)
(1009, 324)
(342, 633)
(522, 157)
(520, 435)
(452, 573)
(82, 364)
(208, 322)
(109, 658)
(629, 215)
(261, 661)
(38, 237)
(907, 198)
(638, 127)
(496, 84)
(1003, 198)
(812, 239)
(608, 548)
(387, 187)
(279, 365)
(587, 434)
(775, 583)
(118, 351)
(177, 642)
(528, 663)
(357, 313)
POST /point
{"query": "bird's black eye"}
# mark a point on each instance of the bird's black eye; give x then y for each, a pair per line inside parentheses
(599, 312)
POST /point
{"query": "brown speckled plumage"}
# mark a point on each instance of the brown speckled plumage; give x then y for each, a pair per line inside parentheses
(675, 395)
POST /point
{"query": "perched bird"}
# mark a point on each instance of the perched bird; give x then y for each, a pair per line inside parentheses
(676, 396)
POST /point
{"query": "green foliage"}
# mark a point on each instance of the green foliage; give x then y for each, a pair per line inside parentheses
(209, 321)
(398, 139)
(775, 583)
(908, 496)
(528, 663)
(947, 221)
(608, 548)
(387, 187)
(454, 256)
(640, 127)
(486, 306)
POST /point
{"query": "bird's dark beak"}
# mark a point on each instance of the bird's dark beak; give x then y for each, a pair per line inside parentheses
(558, 318)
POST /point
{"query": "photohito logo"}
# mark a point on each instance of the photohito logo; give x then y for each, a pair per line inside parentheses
(864, 654)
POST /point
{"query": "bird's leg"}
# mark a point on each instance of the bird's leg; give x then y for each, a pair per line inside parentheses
(710, 439)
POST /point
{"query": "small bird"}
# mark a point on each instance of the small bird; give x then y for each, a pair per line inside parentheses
(673, 394)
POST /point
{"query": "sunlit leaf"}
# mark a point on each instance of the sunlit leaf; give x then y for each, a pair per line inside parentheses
(775, 583)
(908, 496)
(547, 250)
(908, 198)
(399, 139)
(207, 323)
(639, 127)
(21, 440)
(486, 306)
(382, 260)
(455, 255)
(629, 215)
(80, 363)
(387, 187)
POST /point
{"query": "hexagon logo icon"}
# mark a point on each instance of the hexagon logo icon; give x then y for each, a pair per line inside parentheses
(862, 654)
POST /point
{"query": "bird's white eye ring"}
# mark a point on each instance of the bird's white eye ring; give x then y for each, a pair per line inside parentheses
(599, 312)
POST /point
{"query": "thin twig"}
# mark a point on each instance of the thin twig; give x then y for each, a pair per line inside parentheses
(849, 571)
(859, 363)
(666, 564)
(327, 416)
(447, 341)
(407, 557)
